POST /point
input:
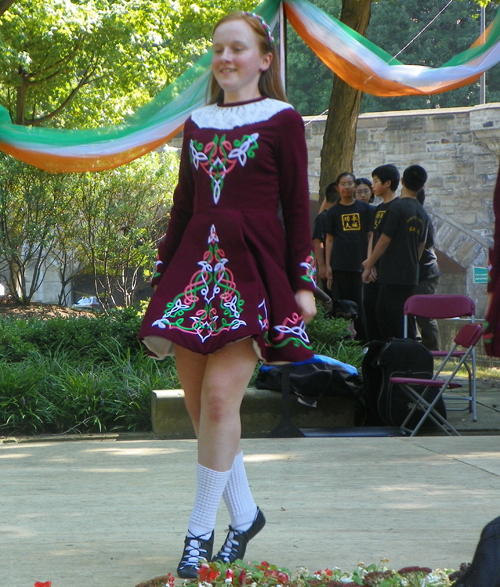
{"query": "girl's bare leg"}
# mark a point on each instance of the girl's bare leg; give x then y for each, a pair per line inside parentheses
(213, 388)
(191, 370)
(226, 379)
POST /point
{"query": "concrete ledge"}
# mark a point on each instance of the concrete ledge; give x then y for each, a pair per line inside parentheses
(260, 412)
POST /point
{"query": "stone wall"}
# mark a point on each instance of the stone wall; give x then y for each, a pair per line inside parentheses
(459, 148)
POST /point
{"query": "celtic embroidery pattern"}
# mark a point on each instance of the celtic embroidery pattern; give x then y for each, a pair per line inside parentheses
(210, 304)
(219, 157)
(293, 330)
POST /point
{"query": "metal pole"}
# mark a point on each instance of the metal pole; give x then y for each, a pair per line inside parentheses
(482, 85)
(282, 36)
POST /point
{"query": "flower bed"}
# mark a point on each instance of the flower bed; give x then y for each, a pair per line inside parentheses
(239, 574)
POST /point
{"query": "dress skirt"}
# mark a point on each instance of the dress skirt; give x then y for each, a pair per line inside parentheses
(228, 281)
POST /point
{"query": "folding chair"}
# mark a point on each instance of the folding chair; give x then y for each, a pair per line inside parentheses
(447, 306)
(434, 388)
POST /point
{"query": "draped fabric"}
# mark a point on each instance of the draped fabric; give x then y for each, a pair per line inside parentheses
(356, 60)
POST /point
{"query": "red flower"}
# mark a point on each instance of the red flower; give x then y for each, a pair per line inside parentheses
(46, 584)
(203, 572)
(208, 572)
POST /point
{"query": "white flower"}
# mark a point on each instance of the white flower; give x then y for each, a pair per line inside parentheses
(437, 578)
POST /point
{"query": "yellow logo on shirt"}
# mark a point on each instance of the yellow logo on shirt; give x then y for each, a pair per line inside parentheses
(351, 221)
(415, 225)
(378, 218)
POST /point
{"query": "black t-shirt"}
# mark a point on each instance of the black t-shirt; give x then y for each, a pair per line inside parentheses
(379, 219)
(319, 230)
(428, 266)
(349, 226)
(406, 225)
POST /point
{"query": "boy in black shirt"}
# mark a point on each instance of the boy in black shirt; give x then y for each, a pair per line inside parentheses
(319, 234)
(398, 251)
(428, 280)
(385, 183)
(348, 225)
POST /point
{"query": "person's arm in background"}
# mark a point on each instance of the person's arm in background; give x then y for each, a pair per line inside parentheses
(381, 247)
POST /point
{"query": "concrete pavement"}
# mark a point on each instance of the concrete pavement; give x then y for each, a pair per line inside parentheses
(113, 513)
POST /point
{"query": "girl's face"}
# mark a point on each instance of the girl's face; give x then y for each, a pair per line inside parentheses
(345, 186)
(237, 62)
(363, 192)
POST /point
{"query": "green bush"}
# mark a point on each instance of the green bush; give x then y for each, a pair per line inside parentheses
(90, 337)
(331, 337)
(59, 394)
(90, 374)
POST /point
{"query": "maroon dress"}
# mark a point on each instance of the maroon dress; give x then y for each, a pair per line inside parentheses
(238, 244)
(491, 335)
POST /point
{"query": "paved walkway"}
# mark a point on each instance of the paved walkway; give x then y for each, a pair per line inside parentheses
(112, 513)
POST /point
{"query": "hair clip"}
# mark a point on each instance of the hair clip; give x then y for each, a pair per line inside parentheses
(267, 28)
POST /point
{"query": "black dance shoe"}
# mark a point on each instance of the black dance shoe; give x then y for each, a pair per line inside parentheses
(236, 540)
(195, 548)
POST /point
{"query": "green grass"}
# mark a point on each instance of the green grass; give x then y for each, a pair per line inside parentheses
(56, 394)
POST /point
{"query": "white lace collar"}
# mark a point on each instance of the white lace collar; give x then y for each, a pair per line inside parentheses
(229, 117)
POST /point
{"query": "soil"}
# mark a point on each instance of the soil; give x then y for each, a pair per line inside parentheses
(39, 310)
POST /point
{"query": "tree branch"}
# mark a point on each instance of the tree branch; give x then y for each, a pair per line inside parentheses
(84, 81)
(63, 61)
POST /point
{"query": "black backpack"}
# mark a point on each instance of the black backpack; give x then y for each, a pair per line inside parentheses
(386, 402)
(314, 378)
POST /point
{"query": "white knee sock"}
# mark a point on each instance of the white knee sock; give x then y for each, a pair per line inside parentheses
(209, 488)
(238, 497)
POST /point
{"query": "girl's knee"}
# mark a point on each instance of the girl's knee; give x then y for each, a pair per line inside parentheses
(218, 404)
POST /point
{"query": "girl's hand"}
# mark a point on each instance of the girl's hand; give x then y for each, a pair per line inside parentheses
(307, 305)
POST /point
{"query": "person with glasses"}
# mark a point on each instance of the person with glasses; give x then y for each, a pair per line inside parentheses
(347, 230)
(363, 190)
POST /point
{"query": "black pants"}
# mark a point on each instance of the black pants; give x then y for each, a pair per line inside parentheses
(370, 296)
(347, 285)
(429, 329)
(390, 311)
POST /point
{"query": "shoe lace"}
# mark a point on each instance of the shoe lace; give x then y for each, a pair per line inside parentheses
(195, 549)
(231, 545)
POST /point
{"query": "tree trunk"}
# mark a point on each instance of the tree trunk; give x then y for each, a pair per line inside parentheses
(21, 101)
(5, 5)
(340, 132)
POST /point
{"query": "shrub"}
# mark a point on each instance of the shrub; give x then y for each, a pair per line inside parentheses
(90, 374)
(57, 394)
(331, 337)
(89, 337)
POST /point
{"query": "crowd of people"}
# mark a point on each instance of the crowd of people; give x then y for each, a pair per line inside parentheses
(376, 247)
